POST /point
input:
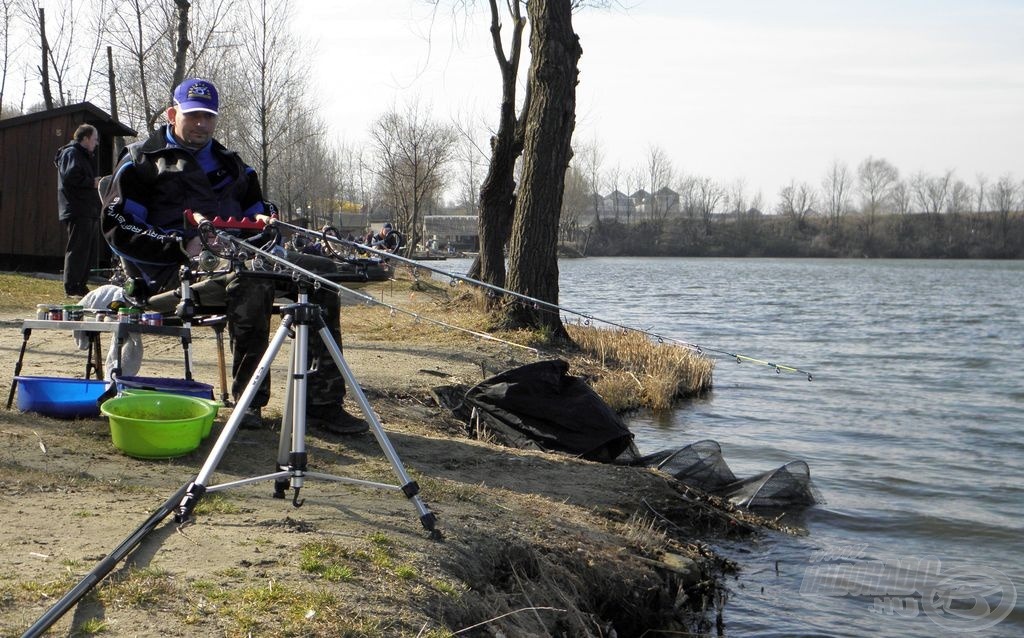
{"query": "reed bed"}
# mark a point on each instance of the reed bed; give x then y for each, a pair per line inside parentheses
(639, 372)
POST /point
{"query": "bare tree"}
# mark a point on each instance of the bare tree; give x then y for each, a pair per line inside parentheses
(71, 38)
(982, 195)
(412, 152)
(875, 180)
(472, 162)
(613, 179)
(498, 192)
(736, 197)
(797, 201)
(159, 44)
(931, 193)
(836, 187)
(689, 195)
(299, 161)
(271, 94)
(551, 119)
(961, 198)
(660, 174)
(6, 48)
(44, 65)
(576, 201)
(902, 198)
(588, 158)
(634, 185)
(707, 195)
(1004, 198)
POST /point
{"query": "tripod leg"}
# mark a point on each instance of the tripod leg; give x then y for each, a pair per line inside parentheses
(409, 487)
(291, 450)
(285, 441)
(198, 486)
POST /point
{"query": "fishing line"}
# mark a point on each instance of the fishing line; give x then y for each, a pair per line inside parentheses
(319, 281)
(329, 235)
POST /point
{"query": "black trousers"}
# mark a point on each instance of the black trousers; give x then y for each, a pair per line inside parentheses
(80, 253)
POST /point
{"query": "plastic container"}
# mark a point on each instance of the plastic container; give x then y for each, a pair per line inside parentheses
(171, 386)
(156, 425)
(60, 397)
(129, 315)
(152, 319)
(74, 313)
(215, 406)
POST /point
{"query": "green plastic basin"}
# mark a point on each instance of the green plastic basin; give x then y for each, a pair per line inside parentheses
(215, 406)
(157, 426)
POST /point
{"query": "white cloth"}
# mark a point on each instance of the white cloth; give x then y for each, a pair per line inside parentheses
(131, 351)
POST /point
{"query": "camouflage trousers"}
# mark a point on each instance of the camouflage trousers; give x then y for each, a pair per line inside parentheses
(248, 302)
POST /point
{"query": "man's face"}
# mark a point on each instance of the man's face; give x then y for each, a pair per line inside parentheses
(90, 142)
(194, 129)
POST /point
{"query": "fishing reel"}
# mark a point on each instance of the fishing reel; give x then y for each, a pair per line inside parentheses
(330, 236)
(224, 240)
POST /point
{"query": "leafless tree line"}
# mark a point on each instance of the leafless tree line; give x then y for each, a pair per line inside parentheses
(875, 188)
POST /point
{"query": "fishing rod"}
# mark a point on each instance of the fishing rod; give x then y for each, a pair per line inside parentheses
(219, 248)
(330, 234)
(104, 567)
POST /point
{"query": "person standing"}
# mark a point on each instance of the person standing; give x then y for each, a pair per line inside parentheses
(181, 166)
(78, 204)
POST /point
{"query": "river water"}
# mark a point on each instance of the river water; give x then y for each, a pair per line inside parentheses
(911, 427)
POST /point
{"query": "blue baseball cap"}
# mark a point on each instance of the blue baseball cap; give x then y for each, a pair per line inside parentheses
(196, 94)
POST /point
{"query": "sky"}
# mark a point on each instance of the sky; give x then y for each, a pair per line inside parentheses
(766, 92)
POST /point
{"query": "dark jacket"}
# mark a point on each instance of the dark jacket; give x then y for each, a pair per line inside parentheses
(76, 183)
(155, 182)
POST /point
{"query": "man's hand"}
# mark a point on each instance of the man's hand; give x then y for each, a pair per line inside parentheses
(197, 217)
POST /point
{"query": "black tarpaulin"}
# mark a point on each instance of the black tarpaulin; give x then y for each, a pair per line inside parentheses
(557, 411)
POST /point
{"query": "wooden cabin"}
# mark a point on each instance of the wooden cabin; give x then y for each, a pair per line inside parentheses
(33, 237)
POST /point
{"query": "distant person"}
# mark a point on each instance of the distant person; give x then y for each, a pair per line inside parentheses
(387, 239)
(78, 205)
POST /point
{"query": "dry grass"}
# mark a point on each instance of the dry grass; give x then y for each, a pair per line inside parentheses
(626, 368)
(638, 372)
(23, 292)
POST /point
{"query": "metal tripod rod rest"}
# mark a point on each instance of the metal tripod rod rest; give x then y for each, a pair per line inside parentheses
(292, 456)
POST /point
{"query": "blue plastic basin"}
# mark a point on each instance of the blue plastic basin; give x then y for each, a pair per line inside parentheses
(60, 397)
(183, 387)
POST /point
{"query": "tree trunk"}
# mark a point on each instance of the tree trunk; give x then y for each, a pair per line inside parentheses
(112, 88)
(44, 69)
(550, 120)
(181, 44)
(497, 193)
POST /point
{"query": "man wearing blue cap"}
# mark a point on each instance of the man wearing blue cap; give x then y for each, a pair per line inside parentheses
(181, 166)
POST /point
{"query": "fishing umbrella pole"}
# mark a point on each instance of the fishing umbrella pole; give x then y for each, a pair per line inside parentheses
(329, 235)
